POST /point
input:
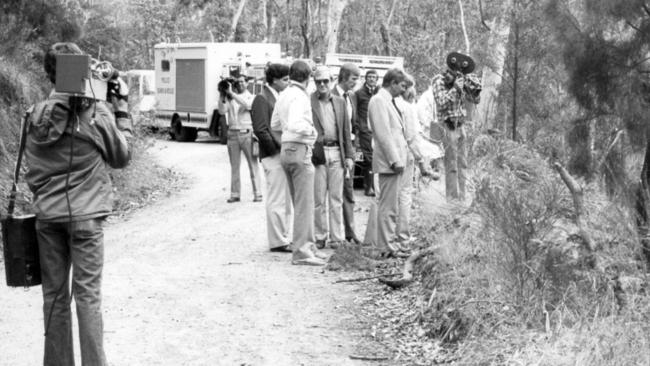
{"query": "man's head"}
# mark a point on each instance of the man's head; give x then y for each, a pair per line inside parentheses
(322, 78)
(300, 71)
(394, 82)
(409, 91)
(348, 76)
(277, 76)
(371, 78)
(240, 84)
(61, 48)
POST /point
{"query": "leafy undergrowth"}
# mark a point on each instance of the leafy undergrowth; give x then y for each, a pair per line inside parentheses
(512, 282)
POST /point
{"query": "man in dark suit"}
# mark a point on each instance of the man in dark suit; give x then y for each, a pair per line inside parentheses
(364, 134)
(347, 80)
(333, 154)
(279, 210)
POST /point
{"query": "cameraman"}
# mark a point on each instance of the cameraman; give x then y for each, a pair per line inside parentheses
(71, 141)
(449, 93)
(237, 108)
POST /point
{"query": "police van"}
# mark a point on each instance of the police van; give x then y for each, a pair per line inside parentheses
(186, 81)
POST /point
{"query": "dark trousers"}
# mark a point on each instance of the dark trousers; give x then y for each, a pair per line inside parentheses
(80, 246)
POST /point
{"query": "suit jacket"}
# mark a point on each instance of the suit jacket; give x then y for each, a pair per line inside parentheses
(389, 143)
(342, 128)
(354, 127)
(261, 112)
(364, 134)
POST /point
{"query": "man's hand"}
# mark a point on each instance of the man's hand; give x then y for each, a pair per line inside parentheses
(459, 83)
(349, 164)
(119, 100)
(398, 169)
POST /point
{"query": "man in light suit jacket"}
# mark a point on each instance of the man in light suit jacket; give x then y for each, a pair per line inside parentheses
(347, 80)
(389, 156)
(332, 155)
(279, 210)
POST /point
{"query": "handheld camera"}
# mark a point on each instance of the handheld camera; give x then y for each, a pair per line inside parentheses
(85, 77)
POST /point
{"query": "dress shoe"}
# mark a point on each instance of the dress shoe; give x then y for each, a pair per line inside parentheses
(257, 199)
(335, 244)
(353, 241)
(308, 262)
(233, 199)
(320, 244)
(317, 253)
(369, 192)
(281, 249)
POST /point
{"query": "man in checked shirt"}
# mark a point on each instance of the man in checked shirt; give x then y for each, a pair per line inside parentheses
(450, 93)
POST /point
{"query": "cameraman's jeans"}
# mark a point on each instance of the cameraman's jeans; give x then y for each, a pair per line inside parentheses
(455, 163)
(239, 142)
(297, 165)
(86, 256)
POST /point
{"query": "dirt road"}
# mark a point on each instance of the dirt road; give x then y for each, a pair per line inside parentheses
(189, 281)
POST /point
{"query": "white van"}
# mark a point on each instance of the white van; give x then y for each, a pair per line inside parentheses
(187, 75)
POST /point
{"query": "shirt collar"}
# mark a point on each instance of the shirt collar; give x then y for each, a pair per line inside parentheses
(295, 83)
(340, 90)
(273, 91)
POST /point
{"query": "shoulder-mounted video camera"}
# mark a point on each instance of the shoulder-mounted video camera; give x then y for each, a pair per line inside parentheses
(226, 84)
(83, 76)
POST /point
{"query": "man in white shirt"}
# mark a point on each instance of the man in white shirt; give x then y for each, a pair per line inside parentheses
(237, 106)
(292, 117)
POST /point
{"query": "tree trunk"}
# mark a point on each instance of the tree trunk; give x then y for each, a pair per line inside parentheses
(580, 140)
(462, 24)
(384, 29)
(305, 29)
(265, 19)
(515, 77)
(235, 20)
(334, 14)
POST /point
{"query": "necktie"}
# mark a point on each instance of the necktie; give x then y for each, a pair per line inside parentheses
(348, 104)
(397, 109)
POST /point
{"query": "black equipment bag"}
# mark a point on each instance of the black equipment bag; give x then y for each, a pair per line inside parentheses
(20, 247)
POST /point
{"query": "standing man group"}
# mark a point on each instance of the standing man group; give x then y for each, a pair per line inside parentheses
(236, 102)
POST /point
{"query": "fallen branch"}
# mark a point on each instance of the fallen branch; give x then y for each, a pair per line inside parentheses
(369, 358)
(579, 205)
(358, 279)
(407, 272)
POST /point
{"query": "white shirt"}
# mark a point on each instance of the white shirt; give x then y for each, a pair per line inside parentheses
(238, 115)
(292, 115)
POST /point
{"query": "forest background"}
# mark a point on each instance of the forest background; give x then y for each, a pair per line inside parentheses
(566, 84)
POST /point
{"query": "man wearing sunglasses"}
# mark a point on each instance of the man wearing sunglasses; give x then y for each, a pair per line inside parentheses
(332, 155)
(236, 103)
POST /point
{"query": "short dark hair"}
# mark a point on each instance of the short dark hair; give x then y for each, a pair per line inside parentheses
(371, 72)
(60, 48)
(393, 76)
(346, 70)
(299, 71)
(276, 71)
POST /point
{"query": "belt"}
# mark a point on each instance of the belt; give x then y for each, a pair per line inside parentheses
(243, 130)
(331, 143)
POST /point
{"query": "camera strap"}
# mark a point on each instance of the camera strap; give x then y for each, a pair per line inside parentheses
(19, 159)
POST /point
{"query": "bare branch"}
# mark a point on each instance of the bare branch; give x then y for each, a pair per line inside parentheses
(619, 133)
(462, 24)
(407, 271)
(480, 9)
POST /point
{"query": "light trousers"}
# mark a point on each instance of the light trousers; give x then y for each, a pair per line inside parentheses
(84, 252)
(328, 197)
(279, 210)
(405, 199)
(455, 163)
(238, 143)
(387, 208)
(297, 165)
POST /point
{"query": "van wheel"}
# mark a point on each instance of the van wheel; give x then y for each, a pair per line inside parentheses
(180, 133)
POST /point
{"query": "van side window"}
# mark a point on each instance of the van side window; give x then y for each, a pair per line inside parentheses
(164, 64)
